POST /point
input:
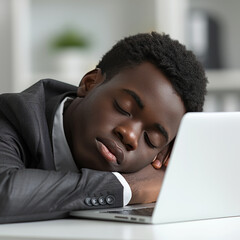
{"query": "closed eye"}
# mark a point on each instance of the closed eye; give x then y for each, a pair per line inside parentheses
(149, 143)
(119, 109)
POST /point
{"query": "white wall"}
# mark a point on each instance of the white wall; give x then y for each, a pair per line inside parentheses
(227, 13)
(103, 22)
(5, 47)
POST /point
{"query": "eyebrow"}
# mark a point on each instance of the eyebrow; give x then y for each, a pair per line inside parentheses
(139, 102)
(135, 97)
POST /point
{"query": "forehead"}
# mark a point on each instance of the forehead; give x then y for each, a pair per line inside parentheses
(145, 78)
(160, 100)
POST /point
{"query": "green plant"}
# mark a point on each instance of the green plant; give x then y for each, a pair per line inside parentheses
(69, 38)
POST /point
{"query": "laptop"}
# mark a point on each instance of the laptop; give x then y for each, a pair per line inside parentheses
(202, 180)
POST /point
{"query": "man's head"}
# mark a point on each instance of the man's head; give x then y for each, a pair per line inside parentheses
(129, 108)
(178, 64)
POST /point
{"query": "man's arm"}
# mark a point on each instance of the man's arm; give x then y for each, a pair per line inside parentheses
(34, 194)
(145, 184)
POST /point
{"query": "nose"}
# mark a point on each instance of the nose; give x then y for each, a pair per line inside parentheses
(129, 135)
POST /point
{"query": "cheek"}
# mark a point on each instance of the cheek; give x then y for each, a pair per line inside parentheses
(100, 115)
(140, 159)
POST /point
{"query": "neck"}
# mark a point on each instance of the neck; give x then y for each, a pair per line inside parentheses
(69, 107)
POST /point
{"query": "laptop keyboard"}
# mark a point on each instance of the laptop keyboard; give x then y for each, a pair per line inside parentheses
(138, 211)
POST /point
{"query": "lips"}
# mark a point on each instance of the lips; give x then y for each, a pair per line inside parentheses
(110, 150)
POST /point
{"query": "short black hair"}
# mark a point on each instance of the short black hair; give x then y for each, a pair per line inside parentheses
(178, 64)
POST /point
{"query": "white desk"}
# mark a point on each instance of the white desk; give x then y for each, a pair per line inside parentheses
(226, 228)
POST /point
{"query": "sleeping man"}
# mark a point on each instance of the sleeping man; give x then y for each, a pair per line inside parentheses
(102, 144)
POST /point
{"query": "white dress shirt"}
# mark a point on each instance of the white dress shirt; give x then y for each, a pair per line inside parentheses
(63, 157)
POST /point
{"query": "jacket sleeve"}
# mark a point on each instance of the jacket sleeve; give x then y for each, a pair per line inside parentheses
(34, 194)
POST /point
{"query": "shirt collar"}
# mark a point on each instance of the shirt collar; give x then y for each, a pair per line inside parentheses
(62, 155)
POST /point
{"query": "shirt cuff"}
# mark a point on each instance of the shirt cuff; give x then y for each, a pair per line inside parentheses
(127, 192)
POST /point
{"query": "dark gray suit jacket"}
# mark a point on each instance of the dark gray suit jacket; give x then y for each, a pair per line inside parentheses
(30, 187)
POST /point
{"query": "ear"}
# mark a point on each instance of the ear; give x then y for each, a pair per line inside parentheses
(89, 81)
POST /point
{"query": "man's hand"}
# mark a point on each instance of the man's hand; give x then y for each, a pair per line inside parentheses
(145, 184)
(163, 157)
(157, 164)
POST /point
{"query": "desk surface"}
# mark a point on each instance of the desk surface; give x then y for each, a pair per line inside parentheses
(226, 228)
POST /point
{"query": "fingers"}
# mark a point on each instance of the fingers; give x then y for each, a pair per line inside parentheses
(166, 162)
(157, 164)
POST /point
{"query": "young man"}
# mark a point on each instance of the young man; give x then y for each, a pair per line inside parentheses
(64, 148)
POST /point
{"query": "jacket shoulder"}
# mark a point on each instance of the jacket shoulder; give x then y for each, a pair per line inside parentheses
(49, 88)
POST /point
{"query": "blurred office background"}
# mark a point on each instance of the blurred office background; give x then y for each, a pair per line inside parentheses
(63, 39)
